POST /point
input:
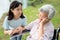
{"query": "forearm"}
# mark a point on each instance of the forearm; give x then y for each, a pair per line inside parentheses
(41, 31)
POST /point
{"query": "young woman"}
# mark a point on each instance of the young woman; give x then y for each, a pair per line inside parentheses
(42, 28)
(14, 20)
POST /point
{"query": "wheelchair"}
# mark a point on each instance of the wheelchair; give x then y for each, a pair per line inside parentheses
(56, 34)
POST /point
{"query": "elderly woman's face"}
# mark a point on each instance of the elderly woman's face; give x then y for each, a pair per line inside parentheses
(43, 15)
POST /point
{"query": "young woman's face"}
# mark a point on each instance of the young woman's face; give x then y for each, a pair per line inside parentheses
(17, 11)
(43, 15)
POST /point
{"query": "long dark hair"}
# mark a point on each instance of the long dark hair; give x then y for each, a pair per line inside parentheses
(13, 5)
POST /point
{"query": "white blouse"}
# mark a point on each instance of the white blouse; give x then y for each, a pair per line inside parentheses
(48, 31)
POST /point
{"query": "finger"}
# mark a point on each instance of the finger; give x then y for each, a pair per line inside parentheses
(45, 19)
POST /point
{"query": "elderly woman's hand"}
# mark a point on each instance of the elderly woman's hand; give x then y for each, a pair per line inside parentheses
(44, 21)
(17, 30)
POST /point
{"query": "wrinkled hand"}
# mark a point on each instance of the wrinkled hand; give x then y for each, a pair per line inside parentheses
(44, 21)
(17, 30)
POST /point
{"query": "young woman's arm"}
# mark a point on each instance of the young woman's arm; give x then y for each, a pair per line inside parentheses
(9, 32)
(6, 26)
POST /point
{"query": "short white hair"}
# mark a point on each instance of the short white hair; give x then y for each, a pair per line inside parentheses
(49, 9)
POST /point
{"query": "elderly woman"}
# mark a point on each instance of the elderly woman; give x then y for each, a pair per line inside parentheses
(41, 28)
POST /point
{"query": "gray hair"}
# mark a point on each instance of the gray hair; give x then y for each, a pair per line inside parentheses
(49, 9)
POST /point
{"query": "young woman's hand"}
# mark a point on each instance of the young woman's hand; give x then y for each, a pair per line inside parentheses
(10, 32)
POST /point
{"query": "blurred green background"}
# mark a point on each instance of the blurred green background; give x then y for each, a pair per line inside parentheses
(32, 13)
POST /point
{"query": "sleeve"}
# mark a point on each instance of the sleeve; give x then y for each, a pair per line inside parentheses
(5, 24)
(48, 34)
(29, 26)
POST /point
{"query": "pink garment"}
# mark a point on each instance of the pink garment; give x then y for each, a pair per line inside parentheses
(48, 31)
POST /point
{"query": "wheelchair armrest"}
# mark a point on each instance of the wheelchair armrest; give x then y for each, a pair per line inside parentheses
(54, 36)
(25, 31)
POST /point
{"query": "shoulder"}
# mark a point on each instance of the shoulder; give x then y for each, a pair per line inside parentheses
(35, 21)
(24, 18)
(50, 25)
(6, 18)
